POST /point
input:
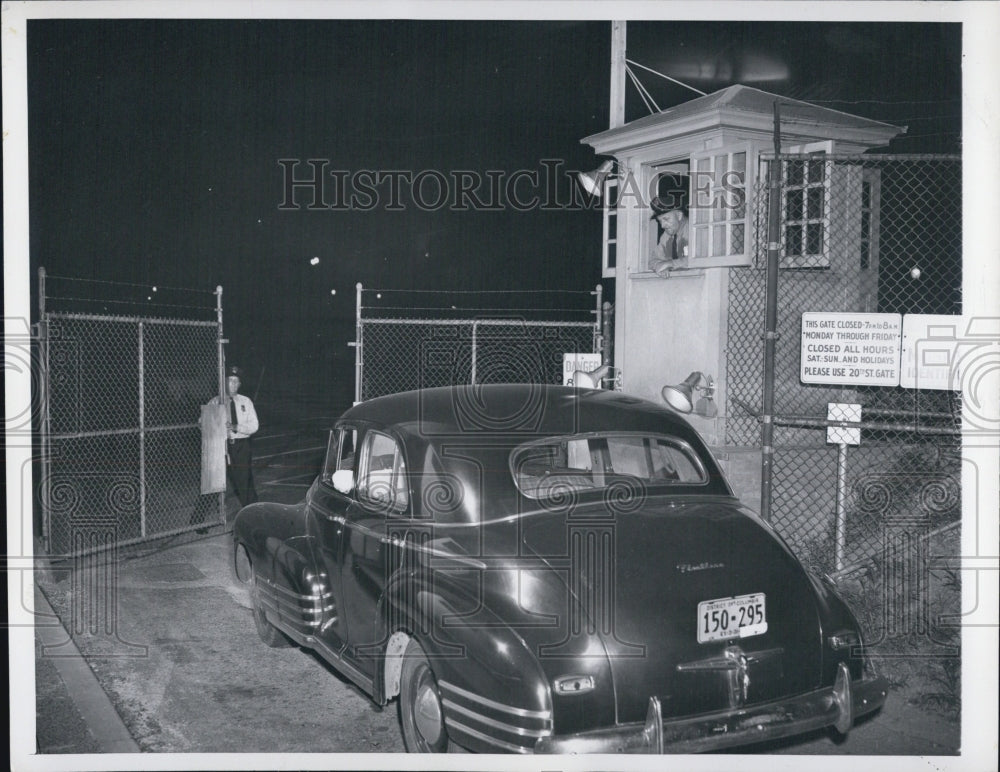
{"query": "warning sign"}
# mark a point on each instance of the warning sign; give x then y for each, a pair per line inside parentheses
(572, 362)
(850, 349)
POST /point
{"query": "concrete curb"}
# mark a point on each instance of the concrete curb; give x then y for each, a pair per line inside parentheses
(94, 705)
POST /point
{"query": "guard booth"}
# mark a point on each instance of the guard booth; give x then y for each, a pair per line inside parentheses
(717, 148)
(863, 238)
(666, 328)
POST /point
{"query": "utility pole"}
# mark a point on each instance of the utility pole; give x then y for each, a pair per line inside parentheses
(617, 112)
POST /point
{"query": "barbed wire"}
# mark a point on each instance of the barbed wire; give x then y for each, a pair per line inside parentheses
(129, 302)
(481, 292)
(49, 276)
(497, 309)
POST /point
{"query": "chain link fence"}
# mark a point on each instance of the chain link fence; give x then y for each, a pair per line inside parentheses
(879, 497)
(440, 345)
(875, 234)
(121, 443)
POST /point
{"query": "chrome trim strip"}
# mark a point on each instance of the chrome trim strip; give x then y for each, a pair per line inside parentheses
(306, 637)
(726, 663)
(523, 732)
(450, 687)
(434, 553)
(290, 615)
(487, 739)
(311, 597)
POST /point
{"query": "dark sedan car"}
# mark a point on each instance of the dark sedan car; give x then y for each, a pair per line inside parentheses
(545, 569)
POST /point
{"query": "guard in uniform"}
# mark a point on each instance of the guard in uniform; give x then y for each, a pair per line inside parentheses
(241, 425)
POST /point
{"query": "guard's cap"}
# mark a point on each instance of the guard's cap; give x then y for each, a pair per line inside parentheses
(668, 203)
(235, 372)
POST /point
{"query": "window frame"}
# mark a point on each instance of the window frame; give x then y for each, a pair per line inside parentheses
(696, 230)
(335, 445)
(806, 262)
(869, 257)
(685, 447)
(650, 174)
(391, 506)
(611, 221)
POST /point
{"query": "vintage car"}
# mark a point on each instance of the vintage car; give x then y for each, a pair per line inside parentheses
(546, 569)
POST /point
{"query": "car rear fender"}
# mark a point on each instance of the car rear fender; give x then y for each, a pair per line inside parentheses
(495, 695)
(842, 635)
(296, 594)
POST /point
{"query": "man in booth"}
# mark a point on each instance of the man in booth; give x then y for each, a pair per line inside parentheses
(671, 253)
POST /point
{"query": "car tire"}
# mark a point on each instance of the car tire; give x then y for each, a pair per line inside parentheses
(269, 634)
(420, 711)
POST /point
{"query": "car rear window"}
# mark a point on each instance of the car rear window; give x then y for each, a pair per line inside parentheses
(555, 466)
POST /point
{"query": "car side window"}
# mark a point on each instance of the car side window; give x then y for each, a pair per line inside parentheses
(382, 480)
(340, 451)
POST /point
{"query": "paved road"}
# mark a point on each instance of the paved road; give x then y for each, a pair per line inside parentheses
(172, 643)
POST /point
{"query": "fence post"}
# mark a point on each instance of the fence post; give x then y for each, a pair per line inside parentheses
(770, 321)
(475, 324)
(598, 321)
(142, 434)
(840, 537)
(44, 427)
(358, 333)
(221, 368)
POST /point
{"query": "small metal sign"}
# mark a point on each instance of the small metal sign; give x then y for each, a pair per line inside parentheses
(841, 435)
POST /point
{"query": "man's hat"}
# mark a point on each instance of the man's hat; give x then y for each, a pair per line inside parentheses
(668, 203)
(235, 372)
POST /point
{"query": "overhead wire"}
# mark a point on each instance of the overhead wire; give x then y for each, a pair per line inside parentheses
(643, 91)
(667, 77)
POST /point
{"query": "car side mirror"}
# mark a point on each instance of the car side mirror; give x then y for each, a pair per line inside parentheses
(343, 480)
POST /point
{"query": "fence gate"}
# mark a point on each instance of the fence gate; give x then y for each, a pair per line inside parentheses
(437, 343)
(120, 440)
(859, 234)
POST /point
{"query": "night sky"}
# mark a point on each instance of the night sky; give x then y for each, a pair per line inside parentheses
(155, 148)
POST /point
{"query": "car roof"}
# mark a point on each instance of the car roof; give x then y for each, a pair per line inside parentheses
(520, 409)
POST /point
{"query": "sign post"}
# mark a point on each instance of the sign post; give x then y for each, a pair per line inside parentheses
(842, 436)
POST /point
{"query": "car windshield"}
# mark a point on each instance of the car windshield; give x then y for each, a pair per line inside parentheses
(593, 462)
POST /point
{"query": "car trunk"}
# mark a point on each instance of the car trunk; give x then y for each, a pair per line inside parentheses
(638, 578)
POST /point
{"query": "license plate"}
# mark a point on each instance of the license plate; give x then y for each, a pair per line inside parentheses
(725, 618)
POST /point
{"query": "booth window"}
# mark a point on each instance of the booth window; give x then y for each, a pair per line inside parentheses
(870, 199)
(805, 208)
(610, 255)
(718, 215)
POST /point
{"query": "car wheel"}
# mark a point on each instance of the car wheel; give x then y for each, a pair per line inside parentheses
(268, 633)
(420, 710)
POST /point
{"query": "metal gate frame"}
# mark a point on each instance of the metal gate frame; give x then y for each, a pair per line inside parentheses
(599, 336)
(143, 431)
